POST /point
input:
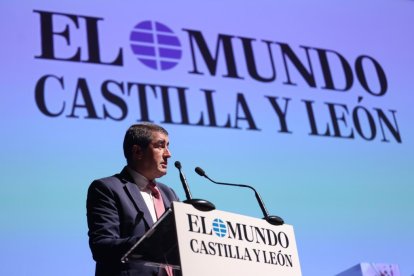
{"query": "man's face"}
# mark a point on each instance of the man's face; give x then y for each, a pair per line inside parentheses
(153, 160)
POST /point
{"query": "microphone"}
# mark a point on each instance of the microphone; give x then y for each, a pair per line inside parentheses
(275, 220)
(177, 164)
(200, 204)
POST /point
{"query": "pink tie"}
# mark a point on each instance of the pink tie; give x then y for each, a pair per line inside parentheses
(158, 203)
(159, 210)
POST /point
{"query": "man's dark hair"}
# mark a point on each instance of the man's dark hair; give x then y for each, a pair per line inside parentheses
(141, 135)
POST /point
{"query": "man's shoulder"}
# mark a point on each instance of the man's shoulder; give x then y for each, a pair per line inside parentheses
(112, 178)
(118, 178)
(112, 181)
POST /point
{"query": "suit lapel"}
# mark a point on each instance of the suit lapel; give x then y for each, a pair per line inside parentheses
(135, 196)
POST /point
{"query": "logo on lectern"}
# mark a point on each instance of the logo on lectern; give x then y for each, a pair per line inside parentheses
(219, 227)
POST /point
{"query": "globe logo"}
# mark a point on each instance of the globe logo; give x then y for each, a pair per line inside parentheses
(219, 227)
(155, 45)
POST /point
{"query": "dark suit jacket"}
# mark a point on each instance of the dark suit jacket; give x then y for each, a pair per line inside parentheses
(117, 217)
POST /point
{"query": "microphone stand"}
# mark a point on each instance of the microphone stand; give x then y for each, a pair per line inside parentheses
(199, 204)
(274, 220)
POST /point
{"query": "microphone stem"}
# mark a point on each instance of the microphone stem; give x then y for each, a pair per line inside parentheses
(259, 199)
(261, 204)
(185, 186)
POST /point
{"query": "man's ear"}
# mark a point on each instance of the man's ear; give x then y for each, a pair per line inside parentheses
(137, 152)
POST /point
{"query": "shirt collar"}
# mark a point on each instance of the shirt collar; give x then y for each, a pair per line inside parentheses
(139, 179)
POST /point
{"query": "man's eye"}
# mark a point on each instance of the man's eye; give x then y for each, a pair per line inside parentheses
(160, 145)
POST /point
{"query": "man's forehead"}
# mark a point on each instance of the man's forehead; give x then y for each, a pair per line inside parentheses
(159, 136)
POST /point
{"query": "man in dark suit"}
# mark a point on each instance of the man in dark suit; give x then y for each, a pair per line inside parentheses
(120, 208)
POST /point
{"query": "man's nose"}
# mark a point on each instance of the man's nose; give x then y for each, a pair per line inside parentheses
(167, 153)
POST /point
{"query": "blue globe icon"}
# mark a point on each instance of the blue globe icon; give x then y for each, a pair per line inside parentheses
(219, 227)
(155, 45)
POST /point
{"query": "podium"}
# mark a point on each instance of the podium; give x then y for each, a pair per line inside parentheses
(217, 243)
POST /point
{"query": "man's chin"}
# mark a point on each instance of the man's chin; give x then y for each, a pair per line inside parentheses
(162, 173)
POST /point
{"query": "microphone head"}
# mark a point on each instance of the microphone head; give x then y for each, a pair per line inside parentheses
(200, 171)
(177, 164)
